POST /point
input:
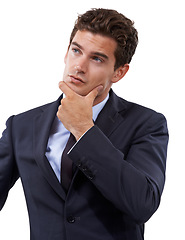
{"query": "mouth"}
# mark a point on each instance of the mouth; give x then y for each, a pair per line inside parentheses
(75, 79)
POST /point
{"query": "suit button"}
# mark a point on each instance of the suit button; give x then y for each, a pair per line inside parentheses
(71, 219)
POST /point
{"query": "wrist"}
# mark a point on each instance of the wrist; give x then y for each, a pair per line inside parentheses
(78, 133)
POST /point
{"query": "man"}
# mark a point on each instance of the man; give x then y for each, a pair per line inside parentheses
(114, 175)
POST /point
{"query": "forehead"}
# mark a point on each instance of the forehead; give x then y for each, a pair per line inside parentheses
(95, 42)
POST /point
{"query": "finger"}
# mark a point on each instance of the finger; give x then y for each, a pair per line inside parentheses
(93, 94)
(66, 89)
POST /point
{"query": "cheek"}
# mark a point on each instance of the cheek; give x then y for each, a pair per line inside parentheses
(67, 67)
(68, 61)
(104, 77)
(65, 73)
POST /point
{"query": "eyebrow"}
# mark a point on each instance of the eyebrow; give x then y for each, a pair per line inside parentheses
(94, 53)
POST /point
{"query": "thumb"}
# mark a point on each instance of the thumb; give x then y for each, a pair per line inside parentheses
(94, 93)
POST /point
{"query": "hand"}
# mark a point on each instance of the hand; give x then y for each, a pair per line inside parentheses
(75, 111)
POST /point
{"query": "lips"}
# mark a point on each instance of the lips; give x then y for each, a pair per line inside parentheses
(75, 79)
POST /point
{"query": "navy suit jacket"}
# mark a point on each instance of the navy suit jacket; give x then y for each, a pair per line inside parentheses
(119, 173)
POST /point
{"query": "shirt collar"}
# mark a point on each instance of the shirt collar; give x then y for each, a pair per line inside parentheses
(97, 108)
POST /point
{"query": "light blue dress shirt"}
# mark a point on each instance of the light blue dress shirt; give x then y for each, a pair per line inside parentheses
(59, 136)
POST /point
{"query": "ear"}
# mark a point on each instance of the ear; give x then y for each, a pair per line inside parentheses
(120, 73)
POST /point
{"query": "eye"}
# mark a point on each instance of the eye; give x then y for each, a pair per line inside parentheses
(75, 50)
(97, 59)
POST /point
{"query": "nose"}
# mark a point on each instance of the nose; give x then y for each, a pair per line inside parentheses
(81, 65)
(78, 69)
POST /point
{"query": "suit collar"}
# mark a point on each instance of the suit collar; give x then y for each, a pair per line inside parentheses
(111, 115)
(42, 125)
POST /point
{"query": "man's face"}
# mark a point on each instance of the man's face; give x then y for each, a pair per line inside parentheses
(89, 63)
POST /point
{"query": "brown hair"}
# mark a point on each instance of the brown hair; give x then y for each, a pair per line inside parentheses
(112, 24)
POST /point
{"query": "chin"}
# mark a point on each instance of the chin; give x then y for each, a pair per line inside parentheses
(77, 89)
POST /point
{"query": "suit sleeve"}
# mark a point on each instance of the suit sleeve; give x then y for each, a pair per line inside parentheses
(133, 183)
(8, 169)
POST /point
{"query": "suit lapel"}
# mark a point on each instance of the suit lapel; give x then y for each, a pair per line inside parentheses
(42, 126)
(110, 118)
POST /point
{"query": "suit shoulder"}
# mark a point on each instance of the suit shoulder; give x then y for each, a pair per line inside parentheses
(143, 119)
(139, 109)
(24, 121)
(34, 111)
(134, 112)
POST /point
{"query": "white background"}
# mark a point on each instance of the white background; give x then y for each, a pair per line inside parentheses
(34, 37)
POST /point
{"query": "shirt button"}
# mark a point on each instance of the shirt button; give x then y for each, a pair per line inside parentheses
(71, 219)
